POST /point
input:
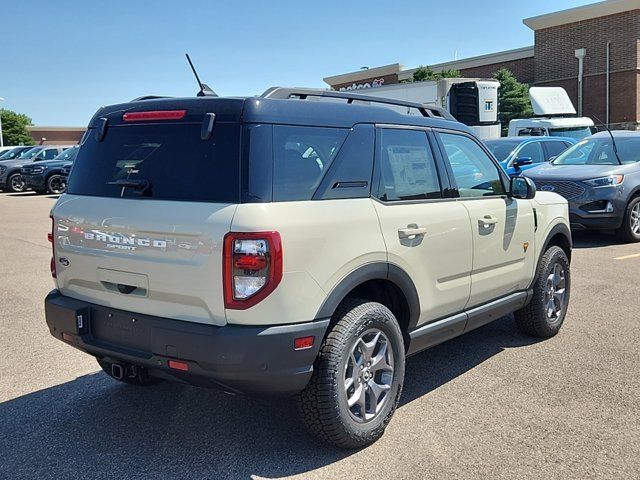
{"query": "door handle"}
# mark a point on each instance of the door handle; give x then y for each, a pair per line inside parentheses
(412, 230)
(487, 220)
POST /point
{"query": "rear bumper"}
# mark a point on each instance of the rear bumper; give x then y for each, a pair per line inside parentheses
(237, 359)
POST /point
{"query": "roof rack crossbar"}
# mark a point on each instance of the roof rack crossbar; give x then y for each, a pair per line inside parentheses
(302, 93)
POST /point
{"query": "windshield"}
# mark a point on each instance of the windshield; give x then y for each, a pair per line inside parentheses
(69, 155)
(13, 153)
(599, 151)
(577, 133)
(29, 153)
(502, 149)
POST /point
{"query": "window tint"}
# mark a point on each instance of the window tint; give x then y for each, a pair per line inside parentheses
(555, 148)
(168, 162)
(475, 173)
(49, 154)
(408, 170)
(533, 151)
(350, 174)
(301, 157)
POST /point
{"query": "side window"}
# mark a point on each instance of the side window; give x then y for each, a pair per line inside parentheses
(301, 157)
(407, 167)
(475, 173)
(350, 174)
(533, 151)
(49, 154)
(555, 148)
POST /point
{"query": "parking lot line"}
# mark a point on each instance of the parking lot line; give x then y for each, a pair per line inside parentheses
(635, 255)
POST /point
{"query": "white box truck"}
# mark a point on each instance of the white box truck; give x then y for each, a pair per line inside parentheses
(472, 101)
(555, 115)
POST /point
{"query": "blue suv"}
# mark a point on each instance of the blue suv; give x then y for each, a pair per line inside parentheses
(517, 154)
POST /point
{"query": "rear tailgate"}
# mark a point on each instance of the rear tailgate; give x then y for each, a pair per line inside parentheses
(149, 202)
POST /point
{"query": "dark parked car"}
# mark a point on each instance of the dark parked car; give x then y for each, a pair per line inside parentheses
(603, 189)
(517, 154)
(14, 152)
(10, 178)
(49, 176)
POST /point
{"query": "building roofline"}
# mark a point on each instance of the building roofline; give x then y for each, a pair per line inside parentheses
(364, 74)
(478, 61)
(579, 14)
(55, 129)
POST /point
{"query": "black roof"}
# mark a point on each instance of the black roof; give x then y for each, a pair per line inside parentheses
(279, 111)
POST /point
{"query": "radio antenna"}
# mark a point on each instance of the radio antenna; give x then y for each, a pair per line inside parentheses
(205, 91)
(613, 140)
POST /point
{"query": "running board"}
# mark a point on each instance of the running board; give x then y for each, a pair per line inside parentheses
(447, 328)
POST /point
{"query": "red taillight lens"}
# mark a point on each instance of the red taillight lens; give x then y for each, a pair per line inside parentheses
(303, 343)
(50, 237)
(176, 365)
(154, 115)
(252, 267)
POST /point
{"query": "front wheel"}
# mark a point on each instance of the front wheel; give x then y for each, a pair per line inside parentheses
(56, 184)
(357, 378)
(545, 313)
(630, 229)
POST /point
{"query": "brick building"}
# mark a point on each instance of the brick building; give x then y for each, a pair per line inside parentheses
(56, 135)
(609, 33)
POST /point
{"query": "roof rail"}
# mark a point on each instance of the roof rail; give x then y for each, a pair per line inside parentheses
(302, 94)
(149, 97)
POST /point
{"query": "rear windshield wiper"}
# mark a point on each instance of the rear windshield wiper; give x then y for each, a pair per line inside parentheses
(143, 185)
(132, 183)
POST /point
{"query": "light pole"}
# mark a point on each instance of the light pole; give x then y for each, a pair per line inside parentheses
(1, 141)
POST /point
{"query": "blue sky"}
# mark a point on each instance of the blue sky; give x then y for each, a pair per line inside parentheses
(60, 60)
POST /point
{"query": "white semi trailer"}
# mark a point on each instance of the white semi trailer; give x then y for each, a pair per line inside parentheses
(472, 101)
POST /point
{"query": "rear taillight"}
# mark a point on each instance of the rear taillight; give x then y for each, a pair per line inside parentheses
(252, 267)
(50, 237)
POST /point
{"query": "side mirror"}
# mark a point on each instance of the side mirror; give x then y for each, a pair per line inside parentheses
(522, 188)
(520, 161)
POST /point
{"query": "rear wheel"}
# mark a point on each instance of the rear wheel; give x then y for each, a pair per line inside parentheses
(630, 229)
(131, 374)
(357, 378)
(15, 183)
(545, 313)
(56, 184)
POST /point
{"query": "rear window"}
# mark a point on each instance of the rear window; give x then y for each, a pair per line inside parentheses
(160, 161)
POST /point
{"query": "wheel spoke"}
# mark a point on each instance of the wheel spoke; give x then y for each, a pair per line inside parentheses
(380, 362)
(375, 393)
(357, 395)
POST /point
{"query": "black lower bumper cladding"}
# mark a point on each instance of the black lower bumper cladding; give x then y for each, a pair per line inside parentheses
(238, 359)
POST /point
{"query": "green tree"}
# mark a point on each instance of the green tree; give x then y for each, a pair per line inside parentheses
(513, 98)
(423, 74)
(14, 128)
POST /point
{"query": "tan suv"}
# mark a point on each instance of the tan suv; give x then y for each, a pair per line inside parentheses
(301, 242)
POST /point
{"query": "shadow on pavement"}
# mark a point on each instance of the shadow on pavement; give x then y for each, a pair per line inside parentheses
(94, 427)
(594, 239)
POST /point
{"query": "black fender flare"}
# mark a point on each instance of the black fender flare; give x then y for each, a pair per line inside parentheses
(374, 271)
(561, 229)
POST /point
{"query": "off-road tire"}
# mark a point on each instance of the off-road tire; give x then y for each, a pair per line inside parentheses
(141, 379)
(323, 403)
(625, 232)
(532, 319)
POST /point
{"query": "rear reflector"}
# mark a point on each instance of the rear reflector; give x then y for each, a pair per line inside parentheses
(176, 365)
(303, 343)
(67, 337)
(154, 115)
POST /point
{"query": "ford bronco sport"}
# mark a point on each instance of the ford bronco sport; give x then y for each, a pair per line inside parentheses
(310, 242)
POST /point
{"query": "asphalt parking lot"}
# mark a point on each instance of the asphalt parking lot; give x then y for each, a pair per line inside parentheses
(491, 404)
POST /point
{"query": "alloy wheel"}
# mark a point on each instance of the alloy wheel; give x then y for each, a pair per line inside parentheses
(17, 183)
(57, 185)
(555, 292)
(368, 375)
(634, 219)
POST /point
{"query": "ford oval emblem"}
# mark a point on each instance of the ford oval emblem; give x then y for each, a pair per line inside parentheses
(547, 188)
